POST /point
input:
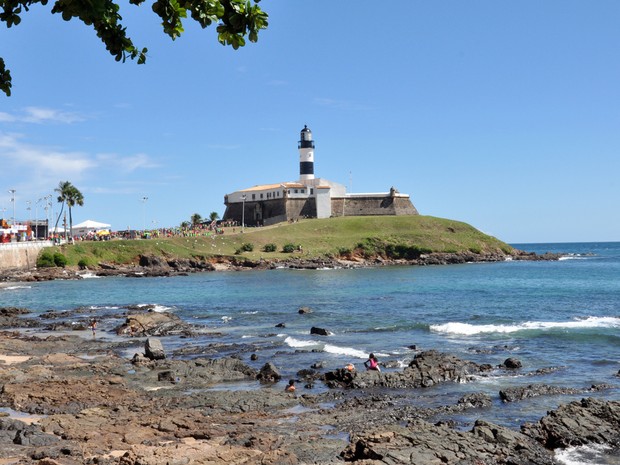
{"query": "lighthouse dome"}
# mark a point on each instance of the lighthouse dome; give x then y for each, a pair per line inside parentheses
(306, 134)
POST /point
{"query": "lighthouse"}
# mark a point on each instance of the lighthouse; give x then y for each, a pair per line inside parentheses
(306, 155)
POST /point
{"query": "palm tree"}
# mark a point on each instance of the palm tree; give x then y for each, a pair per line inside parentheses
(196, 219)
(214, 216)
(70, 195)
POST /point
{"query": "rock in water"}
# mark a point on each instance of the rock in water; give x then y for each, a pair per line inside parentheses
(153, 349)
(269, 373)
(319, 331)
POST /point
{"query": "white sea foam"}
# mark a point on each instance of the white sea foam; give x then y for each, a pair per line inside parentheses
(348, 351)
(469, 329)
(156, 307)
(89, 275)
(292, 342)
(12, 288)
(583, 455)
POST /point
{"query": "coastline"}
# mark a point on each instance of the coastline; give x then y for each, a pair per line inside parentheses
(155, 266)
(86, 401)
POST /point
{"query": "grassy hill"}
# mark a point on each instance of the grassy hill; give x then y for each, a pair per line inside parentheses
(394, 237)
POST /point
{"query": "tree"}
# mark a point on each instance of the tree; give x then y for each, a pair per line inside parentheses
(213, 216)
(196, 219)
(70, 195)
(235, 19)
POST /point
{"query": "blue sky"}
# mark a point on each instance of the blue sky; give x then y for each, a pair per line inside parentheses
(505, 115)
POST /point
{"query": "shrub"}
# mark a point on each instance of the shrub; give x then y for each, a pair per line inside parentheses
(289, 248)
(60, 260)
(247, 247)
(83, 263)
(270, 248)
(344, 251)
(45, 260)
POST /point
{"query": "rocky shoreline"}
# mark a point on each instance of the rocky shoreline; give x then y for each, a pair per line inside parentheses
(71, 398)
(157, 266)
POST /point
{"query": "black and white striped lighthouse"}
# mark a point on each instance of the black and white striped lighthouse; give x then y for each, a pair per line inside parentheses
(306, 155)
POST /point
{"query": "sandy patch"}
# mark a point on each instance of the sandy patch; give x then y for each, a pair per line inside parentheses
(11, 359)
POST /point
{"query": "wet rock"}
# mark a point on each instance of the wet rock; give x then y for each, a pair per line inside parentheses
(319, 331)
(304, 310)
(425, 370)
(152, 323)
(512, 363)
(578, 423)
(269, 374)
(533, 390)
(422, 442)
(476, 400)
(13, 311)
(153, 349)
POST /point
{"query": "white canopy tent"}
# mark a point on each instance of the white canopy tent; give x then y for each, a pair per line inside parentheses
(88, 226)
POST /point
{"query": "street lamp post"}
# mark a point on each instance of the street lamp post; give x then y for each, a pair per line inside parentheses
(29, 209)
(243, 197)
(12, 192)
(144, 199)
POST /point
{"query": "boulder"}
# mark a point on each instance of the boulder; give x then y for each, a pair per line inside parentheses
(152, 323)
(153, 349)
(512, 363)
(304, 310)
(426, 369)
(269, 374)
(319, 331)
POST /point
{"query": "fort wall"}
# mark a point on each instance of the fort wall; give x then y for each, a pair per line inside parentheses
(20, 256)
(372, 205)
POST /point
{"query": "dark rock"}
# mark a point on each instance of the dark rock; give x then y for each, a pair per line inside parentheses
(512, 363)
(253, 357)
(578, 423)
(152, 323)
(533, 390)
(269, 374)
(476, 400)
(166, 376)
(317, 365)
(426, 369)
(280, 325)
(13, 311)
(304, 310)
(153, 349)
(319, 331)
(152, 261)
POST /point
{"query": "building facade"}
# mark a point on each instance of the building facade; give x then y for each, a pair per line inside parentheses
(309, 197)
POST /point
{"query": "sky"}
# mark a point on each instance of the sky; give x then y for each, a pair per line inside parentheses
(504, 115)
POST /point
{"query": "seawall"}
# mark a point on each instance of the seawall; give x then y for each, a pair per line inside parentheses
(20, 255)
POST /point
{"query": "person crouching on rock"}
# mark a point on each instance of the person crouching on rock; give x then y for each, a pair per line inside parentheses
(372, 363)
(290, 387)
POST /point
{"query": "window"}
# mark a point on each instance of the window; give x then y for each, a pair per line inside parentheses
(261, 196)
(253, 196)
(296, 191)
(311, 191)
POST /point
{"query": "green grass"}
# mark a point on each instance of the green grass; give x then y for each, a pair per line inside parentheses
(400, 236)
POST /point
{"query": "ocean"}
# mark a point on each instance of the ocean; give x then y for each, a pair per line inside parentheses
(563, 315)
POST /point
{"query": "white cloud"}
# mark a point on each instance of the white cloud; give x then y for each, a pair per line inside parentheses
(41, 168)
(39, 115)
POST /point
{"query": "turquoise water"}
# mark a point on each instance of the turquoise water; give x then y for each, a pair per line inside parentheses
(563, 314)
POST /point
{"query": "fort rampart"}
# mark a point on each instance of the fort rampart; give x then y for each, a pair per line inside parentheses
(20, 255)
